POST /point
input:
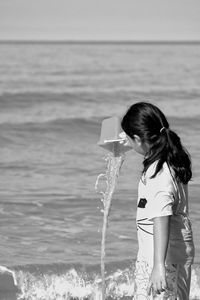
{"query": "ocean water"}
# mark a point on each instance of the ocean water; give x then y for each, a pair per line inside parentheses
(53, 98)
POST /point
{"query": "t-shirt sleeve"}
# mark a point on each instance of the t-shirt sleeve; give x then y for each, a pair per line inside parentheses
(160, 195)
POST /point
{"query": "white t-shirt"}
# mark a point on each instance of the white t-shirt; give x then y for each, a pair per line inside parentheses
(164, 196)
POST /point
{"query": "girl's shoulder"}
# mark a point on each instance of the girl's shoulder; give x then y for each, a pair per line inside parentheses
(163, 181)
(164, 177)
(165, 170)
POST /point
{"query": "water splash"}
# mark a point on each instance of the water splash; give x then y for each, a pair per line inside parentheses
(74, 283)
(62, 282)
(70, 285)
(114, 163)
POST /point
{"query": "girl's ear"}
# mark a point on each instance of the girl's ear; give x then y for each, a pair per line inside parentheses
(137, 139)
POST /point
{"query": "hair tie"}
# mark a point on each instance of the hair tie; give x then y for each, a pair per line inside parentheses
(162, 129)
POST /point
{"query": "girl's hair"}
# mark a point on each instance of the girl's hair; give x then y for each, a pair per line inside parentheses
(149, 123)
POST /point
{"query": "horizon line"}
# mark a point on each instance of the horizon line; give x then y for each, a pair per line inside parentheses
(99, 41)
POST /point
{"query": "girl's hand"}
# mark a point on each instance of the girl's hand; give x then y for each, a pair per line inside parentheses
(157, 281)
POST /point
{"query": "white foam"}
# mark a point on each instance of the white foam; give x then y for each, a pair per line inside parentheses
(74, 284)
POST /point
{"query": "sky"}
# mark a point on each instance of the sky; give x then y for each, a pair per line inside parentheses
(100, 19)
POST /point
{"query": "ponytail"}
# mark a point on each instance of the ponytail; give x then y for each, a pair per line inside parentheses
(164, 145)
(170, 150)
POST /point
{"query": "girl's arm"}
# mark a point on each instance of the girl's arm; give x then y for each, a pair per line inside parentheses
(161, 238)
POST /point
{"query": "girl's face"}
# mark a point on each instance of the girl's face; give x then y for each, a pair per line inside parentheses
(137, 145)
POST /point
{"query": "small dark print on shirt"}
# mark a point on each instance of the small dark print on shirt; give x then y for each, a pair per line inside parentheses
(142, 203)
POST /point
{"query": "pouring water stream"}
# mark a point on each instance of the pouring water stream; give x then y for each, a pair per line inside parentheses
(114, 159)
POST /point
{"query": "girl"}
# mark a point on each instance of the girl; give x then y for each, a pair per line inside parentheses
(166, 250)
